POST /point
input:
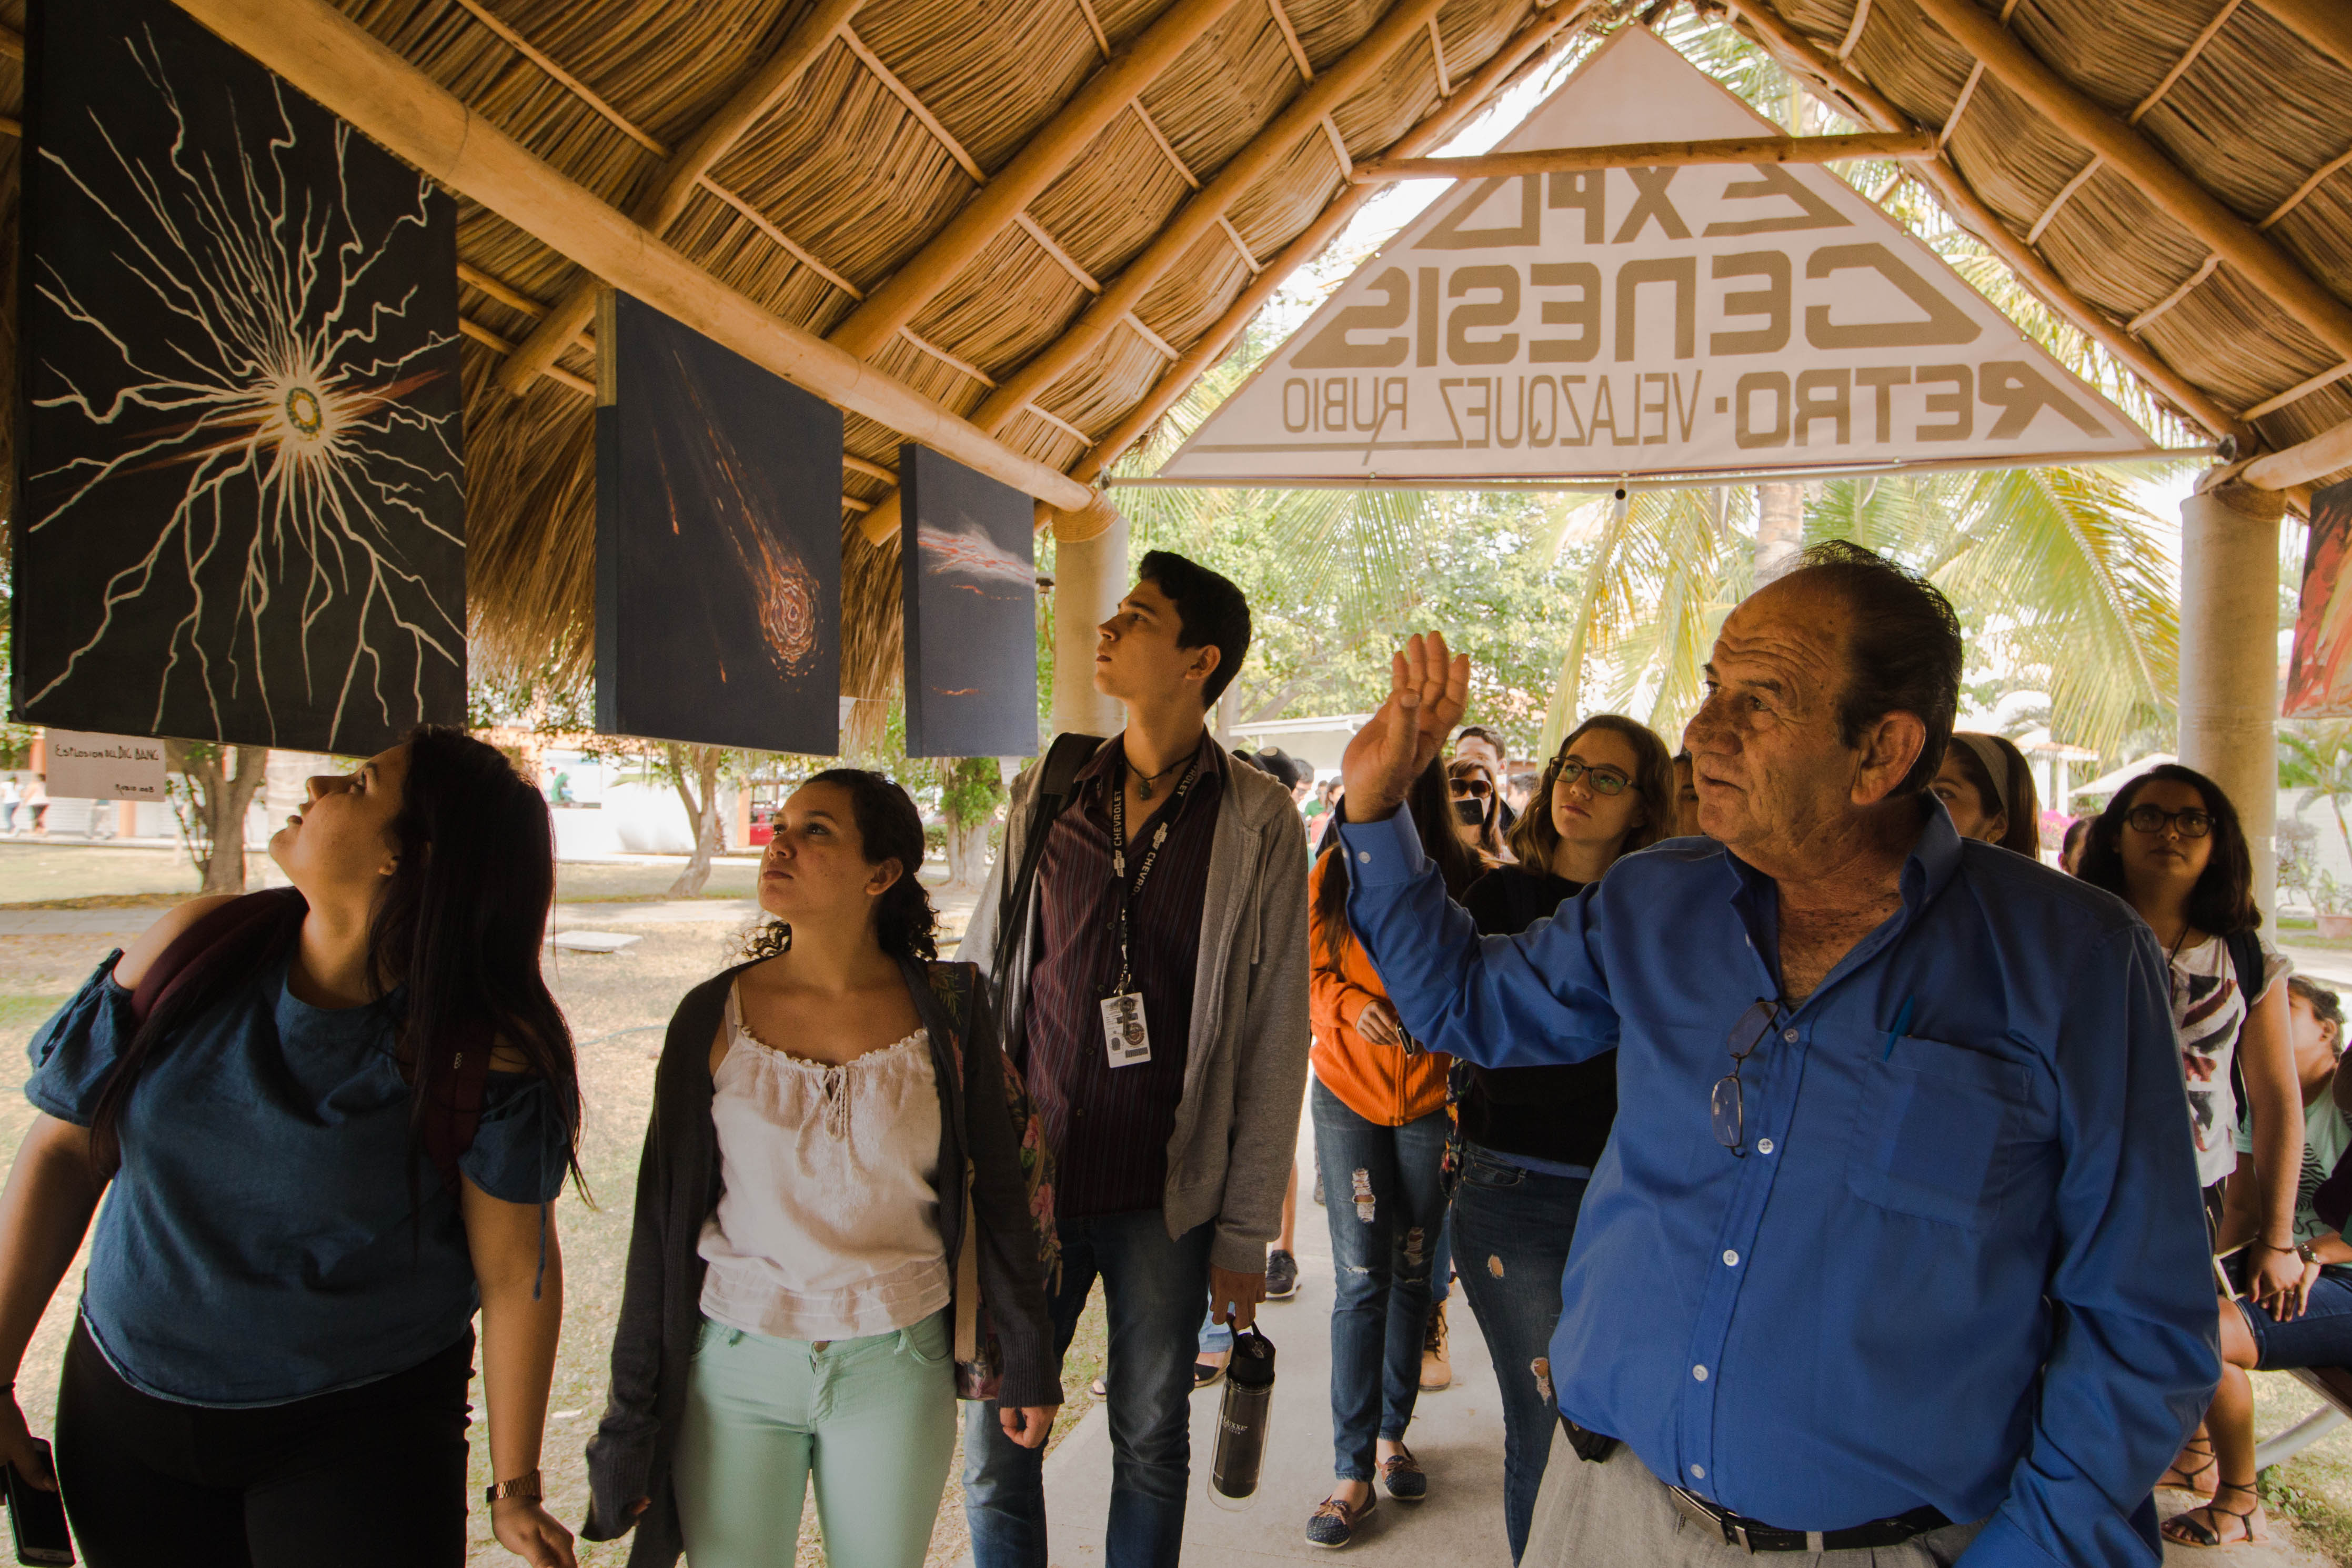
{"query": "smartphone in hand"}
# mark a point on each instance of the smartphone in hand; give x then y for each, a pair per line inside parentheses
(37, 1519)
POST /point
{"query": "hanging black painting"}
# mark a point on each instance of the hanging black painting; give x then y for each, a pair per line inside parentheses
(970, 589)
(243, 480)
(717, 544)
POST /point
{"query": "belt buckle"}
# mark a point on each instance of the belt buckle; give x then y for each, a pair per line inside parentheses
(1699, 1510)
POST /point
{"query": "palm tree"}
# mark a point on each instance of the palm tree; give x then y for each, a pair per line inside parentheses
(2319, 760)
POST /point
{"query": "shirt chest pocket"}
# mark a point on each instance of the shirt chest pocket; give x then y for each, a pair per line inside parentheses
(1940, 1130)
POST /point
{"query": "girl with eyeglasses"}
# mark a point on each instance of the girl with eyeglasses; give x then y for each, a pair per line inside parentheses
(1530, 1136)
(2169, 845)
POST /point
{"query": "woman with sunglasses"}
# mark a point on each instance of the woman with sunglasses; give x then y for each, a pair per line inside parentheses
(1477, 804)
(2169, 845)
(1378, 1107)
(1530, 1136)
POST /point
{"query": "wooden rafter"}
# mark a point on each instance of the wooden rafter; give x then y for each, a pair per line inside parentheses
(688, 169)
(1200, 216)
(1960, 104)
(2140, 162)
(579, 88)
(1094, 26)
(1041, 160)
(1241, 246)
(324, 53)
(784, 242)
(1057, 421)
(1136, 325)
(2139, 323)
(1338, 147)
(2325, 25)
(2304, 461)
(914, 105)
(2300, 390)
(1053, 248)
(1471, 97)
(871, 470)
(1167, 148)
(1959, 199)
(2188, 57)
(514, 299)
(497, 344)
(953, 362)
(12, 42)
(2066, 193)
(1438, 54)
(2318, 178)
(1655, 155)
(1847, 45)
(1290, 38)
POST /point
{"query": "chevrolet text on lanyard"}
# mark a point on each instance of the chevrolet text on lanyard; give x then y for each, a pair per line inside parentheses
(1126, 1039)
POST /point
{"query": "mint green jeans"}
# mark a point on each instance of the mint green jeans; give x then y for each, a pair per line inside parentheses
(872, 1419)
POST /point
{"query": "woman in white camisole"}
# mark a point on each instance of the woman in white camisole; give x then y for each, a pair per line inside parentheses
(852, 1126)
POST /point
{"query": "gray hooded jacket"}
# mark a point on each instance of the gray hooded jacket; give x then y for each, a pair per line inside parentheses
(1246, 1060)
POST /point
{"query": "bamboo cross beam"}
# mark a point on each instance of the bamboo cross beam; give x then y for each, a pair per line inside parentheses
(1115, 86)
(1900, 144)
(2301, 464)
(2141, 163)
(667, 195)
(1970, 210)
(325, 54)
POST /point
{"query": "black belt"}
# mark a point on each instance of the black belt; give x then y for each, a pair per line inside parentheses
(1759, 1537)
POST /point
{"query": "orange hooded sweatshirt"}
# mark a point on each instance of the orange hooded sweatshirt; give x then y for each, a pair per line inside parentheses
(1379, 1083)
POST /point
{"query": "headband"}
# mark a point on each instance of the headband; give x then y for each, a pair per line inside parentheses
(1996, 764)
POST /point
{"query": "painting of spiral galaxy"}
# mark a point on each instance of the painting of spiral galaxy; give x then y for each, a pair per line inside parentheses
(970, 594)
(718, 543)
(244, 484)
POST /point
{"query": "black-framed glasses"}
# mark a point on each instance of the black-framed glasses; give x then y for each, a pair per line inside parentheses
(2153, 819)
(1604, 781)
(1729, 1105)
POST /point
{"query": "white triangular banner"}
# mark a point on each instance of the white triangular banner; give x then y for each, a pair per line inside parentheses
(1712, 320)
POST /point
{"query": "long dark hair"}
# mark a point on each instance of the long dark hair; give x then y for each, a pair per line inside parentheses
(1490, 827)
(890, 827)
(459, 925)
(1433, 820)
(2013, 794)
(2223, 901)
(1535, 835)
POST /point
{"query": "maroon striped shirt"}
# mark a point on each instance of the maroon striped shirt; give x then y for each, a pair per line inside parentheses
(1110, 1126)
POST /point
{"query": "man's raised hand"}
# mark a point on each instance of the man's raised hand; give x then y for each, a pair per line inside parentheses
(1428, 689)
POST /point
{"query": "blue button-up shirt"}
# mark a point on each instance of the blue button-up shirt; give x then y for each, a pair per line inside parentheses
(1962, 1261)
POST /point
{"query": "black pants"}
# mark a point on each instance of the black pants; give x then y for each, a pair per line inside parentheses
(372, 1477)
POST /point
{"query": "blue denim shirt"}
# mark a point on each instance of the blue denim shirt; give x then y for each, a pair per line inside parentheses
(1962, 1262)
(256, 1247)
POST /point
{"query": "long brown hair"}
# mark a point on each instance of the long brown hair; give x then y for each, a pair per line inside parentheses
(1535, 837)
(1433, 821)
(2221, 903)
(2013, 794)
(1490, 830)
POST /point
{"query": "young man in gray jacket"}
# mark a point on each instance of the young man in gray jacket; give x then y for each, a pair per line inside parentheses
(1153, 992)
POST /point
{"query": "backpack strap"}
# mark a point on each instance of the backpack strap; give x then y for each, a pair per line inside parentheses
(1057, 776)
(192, 954)
(2246, 961)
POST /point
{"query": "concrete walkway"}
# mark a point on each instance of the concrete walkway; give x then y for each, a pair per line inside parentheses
(1457, 1436)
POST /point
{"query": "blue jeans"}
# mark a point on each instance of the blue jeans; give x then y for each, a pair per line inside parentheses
(1154, 1291)
(2321, 1337)
(1384, 1202)
(1512, 1227)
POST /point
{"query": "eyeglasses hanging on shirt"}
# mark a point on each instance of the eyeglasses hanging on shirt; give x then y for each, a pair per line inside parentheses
(1126, 1038)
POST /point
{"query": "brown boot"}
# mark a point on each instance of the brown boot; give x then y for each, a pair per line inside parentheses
(1436, 1367)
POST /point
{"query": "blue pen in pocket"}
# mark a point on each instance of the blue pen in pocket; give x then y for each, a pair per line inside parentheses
(1902, 1027)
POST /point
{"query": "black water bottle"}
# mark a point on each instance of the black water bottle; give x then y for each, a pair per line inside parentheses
(1244, 1420)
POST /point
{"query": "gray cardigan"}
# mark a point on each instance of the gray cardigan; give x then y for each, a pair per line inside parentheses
(677, 1188)
(1245, 1060)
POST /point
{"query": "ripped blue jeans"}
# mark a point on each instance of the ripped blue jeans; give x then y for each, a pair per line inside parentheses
(1384, 1203)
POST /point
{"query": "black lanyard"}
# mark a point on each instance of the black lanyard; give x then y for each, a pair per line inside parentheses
(1128, 893)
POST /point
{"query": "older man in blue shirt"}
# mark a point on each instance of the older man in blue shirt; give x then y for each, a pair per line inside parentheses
(1896, 1249)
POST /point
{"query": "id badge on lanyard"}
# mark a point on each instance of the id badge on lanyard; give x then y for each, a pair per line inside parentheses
(1127, 1037)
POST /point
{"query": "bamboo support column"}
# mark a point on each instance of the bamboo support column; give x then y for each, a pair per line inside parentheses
(1089, 579)
(2228, 656)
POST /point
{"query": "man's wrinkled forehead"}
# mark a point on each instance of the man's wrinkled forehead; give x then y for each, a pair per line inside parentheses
(1789, 635)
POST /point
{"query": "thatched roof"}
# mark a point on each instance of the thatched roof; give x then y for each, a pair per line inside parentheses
(1050, 215)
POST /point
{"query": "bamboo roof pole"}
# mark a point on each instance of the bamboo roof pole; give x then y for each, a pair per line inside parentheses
(1470, 97)
(335, 60)
(2134, 158)
(1967, 209)
(1113, 87)
(1898, 144)
(2325, 25)
(2301, 463)
(665, 196)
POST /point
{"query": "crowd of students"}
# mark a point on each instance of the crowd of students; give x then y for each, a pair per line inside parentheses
(1832, 1176)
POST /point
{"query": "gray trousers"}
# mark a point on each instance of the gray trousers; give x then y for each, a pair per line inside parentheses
(1615, 1514)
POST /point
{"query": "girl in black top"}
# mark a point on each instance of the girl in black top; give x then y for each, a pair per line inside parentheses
(1530, 1136)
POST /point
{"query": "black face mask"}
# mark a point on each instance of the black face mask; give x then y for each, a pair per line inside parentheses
(1471, 814)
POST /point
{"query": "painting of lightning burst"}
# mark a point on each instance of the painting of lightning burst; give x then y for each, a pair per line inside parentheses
(717, 544)
(969, 590)
(244, 513)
